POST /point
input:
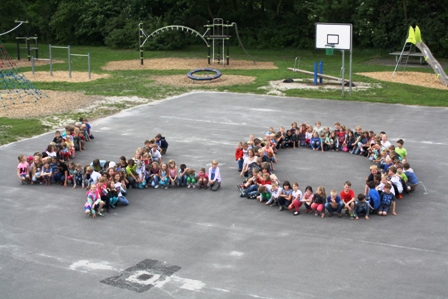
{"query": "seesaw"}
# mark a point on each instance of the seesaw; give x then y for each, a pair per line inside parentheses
(319, 75)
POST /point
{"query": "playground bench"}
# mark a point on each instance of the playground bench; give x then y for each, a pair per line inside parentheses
(412, 54)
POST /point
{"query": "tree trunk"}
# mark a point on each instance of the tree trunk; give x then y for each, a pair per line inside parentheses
(405, 10)
(209, 9)
(279, 5)
(235, 5)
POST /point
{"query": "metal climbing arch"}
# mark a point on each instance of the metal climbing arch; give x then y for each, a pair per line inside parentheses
(143, 36)
(216, 36)
(171, 28)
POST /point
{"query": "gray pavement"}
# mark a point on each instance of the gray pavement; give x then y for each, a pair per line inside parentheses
(189, 243)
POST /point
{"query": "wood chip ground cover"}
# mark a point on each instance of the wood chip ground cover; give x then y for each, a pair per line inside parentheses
(184, 64)
(61, 76)
(412, 78)
(183, 80)
(56, 102)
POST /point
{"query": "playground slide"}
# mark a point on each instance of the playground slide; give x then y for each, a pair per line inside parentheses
(432, 62)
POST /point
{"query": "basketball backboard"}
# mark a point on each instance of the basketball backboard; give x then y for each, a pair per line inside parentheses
(337, 35)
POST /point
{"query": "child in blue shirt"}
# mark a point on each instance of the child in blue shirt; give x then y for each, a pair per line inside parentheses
(387, 200)
(373, 197)
(412, 178)
(334, 204)
(315, 142)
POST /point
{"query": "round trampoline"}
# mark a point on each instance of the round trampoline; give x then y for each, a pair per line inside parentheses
(191, 75)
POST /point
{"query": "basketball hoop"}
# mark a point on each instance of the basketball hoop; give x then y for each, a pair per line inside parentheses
(329, 49)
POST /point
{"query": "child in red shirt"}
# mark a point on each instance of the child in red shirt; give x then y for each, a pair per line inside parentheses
(348, 198)
(239, 153)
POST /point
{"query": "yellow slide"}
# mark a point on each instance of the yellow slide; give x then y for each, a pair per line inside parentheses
(415, 38)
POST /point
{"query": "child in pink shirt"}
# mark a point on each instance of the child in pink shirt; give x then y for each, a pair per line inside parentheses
(22, 169)
(202, 179)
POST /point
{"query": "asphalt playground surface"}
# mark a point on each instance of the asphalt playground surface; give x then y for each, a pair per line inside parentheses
(190, 243)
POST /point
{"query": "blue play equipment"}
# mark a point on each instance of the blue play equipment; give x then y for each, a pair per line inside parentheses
(317, 73)
(321, 68)
(191, 75)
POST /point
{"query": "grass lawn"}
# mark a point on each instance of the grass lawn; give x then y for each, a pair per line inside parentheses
(131, 83)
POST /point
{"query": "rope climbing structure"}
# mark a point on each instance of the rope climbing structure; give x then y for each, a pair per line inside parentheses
(15, 88)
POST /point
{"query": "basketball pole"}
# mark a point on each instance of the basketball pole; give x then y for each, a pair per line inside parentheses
(351, 59)
(343, 71)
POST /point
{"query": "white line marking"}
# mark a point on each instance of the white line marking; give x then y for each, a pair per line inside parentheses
(265, 110)
(421, 141)
(236, 253)
(401, 247)
(205, 121)
(426, 192)
(85, 265)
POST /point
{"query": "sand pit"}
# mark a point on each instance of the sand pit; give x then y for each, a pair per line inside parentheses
(57, 102)
(62, 76)
(184, 64)
(412, 78)
(182, 80)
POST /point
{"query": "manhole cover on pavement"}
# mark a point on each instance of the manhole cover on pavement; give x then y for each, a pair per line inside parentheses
(143, 276)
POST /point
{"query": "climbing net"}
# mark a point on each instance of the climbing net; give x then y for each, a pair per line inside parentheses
(15, 88)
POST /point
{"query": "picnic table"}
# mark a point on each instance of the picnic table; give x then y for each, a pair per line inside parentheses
(412, 54)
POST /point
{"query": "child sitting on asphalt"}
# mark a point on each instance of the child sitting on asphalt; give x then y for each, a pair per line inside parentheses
(155, 154)
(162, 143)
(22, 169)
(370, 177)
(264, 193)
(362, 207)
(387, 200)
(348, 198)
(94, 204)
(400, 150)
(239, 156)
(395, 179)
(78, 176)
(412, 178)
(202, 178)
(373, 197)
(153, 176)
(163, 176)
(319, 199)
(46, 174)
(285, 197)
(191, 178)
(334, 204)
(296, 199)
(275, 192)
(214, 176)
(182, 176)
(307, 199)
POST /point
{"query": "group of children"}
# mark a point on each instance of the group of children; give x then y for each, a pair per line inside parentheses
(108, 182)
(390, 175)
(51, 164)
